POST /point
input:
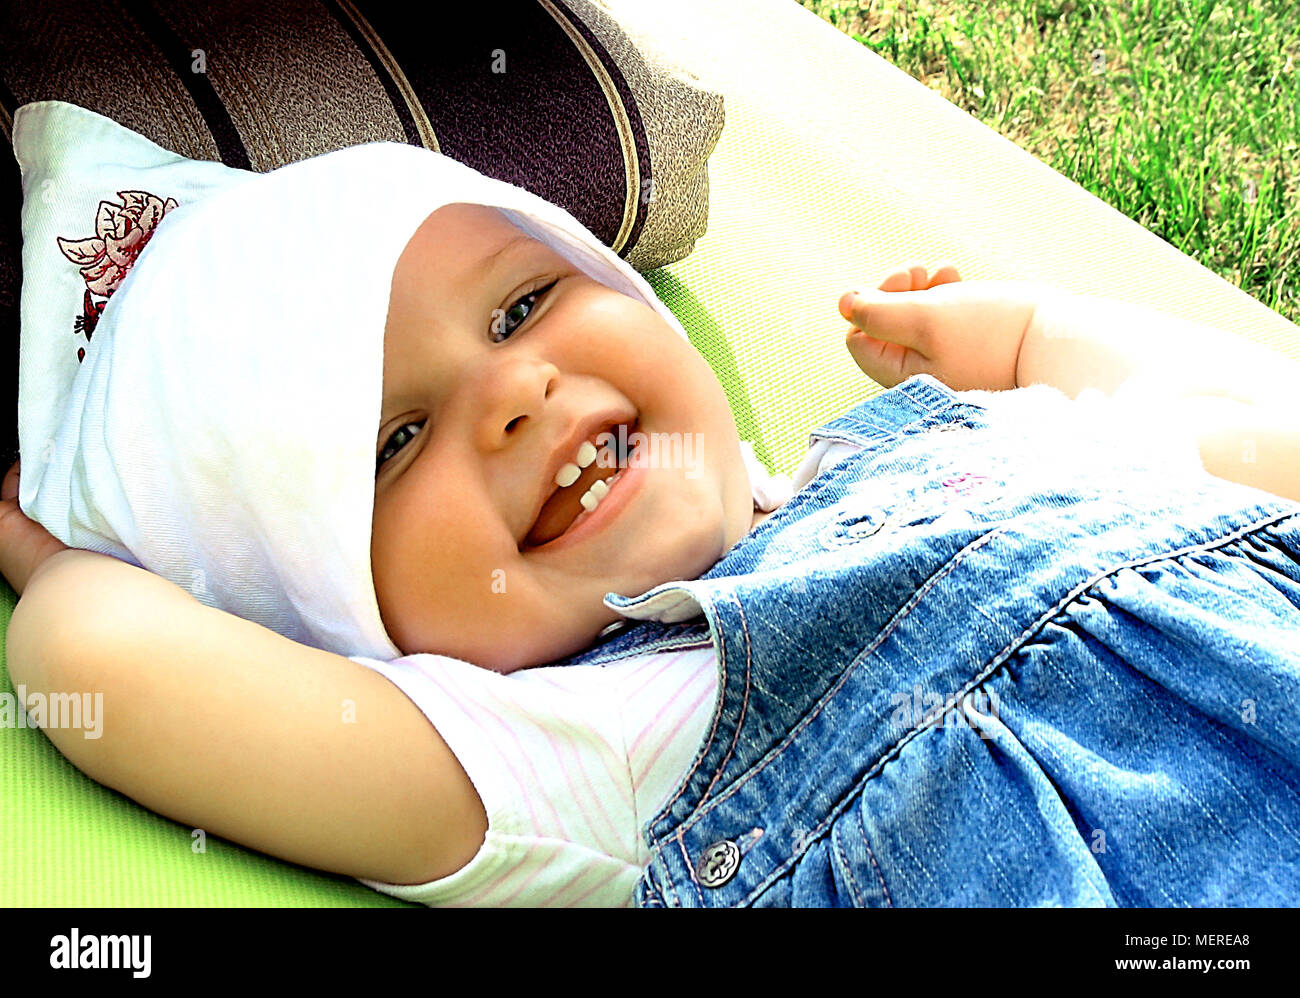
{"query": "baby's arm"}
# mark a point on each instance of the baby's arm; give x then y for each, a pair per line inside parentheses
(1074, 342)
(226, 726)
(1234, 397)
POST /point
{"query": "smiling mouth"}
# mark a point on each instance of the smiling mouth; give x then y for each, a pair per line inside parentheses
(564, 507)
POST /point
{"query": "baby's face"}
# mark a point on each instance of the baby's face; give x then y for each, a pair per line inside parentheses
(505, 358)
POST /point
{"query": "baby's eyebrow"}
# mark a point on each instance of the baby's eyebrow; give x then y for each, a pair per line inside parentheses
(502, 255)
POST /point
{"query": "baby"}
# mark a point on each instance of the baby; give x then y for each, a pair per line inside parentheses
(909, 684)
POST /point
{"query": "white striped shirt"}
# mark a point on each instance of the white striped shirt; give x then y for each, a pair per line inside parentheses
(569, 761)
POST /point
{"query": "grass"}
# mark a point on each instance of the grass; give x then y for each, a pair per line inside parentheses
(1182, 114)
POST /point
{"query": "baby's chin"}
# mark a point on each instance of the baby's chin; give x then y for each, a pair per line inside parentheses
(700, 525)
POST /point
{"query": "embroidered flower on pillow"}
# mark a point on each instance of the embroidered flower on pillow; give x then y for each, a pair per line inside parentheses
(121, 232)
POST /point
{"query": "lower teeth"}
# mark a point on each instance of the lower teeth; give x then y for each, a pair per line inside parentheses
(609, 483)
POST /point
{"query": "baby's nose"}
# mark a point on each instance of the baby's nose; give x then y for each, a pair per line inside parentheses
(509, 394)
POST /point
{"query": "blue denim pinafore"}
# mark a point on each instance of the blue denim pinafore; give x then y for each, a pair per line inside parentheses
(948, 678)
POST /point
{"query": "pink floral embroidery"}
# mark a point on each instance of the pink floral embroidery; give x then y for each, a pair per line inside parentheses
(121, 232)
(964, 484)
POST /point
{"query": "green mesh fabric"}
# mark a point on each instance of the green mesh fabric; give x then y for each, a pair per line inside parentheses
(833, 167)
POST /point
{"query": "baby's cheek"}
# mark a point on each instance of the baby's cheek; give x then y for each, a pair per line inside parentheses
(686, 529)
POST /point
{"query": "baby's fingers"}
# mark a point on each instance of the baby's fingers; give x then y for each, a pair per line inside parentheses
(909, 277)
(9, 488)
(916, 276)
(897, 317)
(887, 334)
(24, 543)
(885, 363)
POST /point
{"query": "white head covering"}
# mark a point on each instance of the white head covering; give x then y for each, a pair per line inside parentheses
(220, 431)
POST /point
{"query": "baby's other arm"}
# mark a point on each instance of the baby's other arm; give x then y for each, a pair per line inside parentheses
(226, 726)
(1075, 342)
(1236, 398)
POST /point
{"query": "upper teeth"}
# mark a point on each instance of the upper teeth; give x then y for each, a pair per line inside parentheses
(568, 474)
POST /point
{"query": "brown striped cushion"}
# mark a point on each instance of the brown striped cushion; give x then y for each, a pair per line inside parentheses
(550, 95)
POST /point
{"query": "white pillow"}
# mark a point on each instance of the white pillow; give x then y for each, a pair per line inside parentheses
(92, 191)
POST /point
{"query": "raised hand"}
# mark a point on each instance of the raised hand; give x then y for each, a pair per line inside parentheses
(965, 334)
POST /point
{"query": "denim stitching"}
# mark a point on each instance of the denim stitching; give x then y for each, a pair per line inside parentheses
(708, 741)
(690, 869)
(670, 890)
(801, 498)
(655, 647)
(1267, 757)
(996, 663)
(873, 433)
(885, 632)
(1016, 644)
(1101, 576)
(740, 721)
(824, 480)
(653, 899)
(1152, 699)
(865, 436)
(866, 842)
(848, 872)
(805, 495)
(816, 833)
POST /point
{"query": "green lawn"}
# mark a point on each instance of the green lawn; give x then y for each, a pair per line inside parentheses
(1182, 114)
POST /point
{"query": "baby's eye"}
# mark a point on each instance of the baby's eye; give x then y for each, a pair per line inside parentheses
(389, 451)
(505, 323)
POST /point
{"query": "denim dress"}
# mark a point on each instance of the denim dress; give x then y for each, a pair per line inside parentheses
(953, 673)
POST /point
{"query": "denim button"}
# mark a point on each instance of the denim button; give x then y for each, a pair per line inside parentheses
(841, 532)
(719, 863)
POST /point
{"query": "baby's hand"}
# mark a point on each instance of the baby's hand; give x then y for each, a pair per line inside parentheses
(965, 334)
(24, 543)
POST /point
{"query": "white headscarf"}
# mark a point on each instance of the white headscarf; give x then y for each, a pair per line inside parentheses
(220, 431)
